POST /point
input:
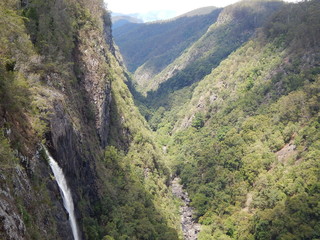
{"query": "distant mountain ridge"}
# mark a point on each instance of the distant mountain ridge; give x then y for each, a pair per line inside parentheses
(197, 12)
(159, 43)
(120, 20)
(191, 48)
(142, 17)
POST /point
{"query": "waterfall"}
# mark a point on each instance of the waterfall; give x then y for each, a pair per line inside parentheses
(65, 193)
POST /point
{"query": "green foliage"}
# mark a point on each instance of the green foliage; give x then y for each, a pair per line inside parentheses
(7, 158)
(127, 210)
(250, 156)
(50, 27)
(15, 46)
(235, 25)
(156, 118)
(252, 169)
(288, 28)
(135, 202)
(14, 90)
(108, 238)
(17, 102)
(92, 228)
(200, 201)
(112, 155)
(198, 121)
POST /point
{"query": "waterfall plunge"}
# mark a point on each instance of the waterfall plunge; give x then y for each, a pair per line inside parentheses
(65, 193)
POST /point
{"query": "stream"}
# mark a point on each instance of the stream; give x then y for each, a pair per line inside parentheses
(190, 228)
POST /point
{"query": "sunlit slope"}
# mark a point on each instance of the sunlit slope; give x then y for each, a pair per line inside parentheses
(246, 145)
(234, 26)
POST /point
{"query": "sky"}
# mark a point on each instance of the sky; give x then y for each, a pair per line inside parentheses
(178, 6)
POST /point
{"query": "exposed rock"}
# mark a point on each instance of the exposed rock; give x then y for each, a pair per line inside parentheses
(107, 31)
(164, 149)
(248, 202)
(190, 228)
(201, 103)
(11, 224)
(213, 97)
(94, 78)
(186, 122)
(25, 207)
(287, 152)
(68, 144)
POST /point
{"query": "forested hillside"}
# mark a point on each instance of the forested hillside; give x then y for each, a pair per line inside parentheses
(229, 28)
(171, 87)
(245, 139)
(247, 151)
(235, 25)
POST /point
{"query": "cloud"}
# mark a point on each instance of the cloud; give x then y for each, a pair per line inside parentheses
(126, 6)
(179, 6)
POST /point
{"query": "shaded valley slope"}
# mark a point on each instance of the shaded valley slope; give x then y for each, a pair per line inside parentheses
(62, 86)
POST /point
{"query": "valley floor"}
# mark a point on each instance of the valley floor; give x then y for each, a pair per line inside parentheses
(190, 228)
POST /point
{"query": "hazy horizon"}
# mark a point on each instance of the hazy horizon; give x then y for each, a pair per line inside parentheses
(175, 7)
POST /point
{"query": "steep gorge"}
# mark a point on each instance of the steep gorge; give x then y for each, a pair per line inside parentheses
(240, 127)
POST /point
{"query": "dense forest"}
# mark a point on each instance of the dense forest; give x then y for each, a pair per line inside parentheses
(225, 99)
(243, 134)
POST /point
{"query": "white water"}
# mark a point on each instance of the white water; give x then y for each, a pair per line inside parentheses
(65, 193)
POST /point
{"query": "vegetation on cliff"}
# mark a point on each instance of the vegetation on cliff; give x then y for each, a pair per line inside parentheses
(62, 84)
(136, 202)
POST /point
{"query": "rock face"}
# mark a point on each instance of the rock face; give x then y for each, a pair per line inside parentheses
(11, 225)
(78, 166)
(94, 78)
(190, 228)
(76, 86)
(35, 192)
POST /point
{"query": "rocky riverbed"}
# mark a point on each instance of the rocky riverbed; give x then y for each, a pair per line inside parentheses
(190, 228)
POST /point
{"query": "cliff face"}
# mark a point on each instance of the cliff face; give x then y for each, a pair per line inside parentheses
(61, 84)
(68, 92)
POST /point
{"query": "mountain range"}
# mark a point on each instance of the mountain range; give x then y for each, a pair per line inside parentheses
(150, 16)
